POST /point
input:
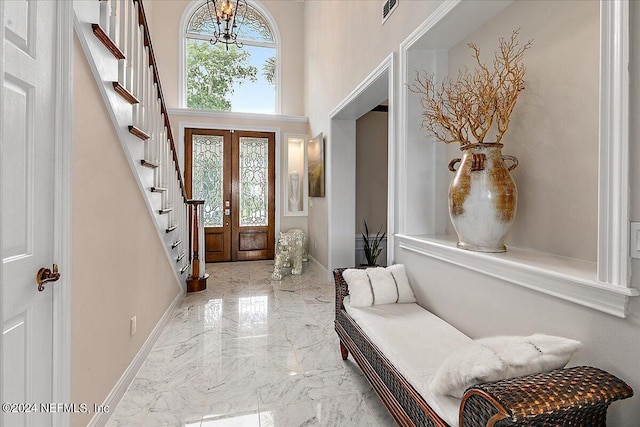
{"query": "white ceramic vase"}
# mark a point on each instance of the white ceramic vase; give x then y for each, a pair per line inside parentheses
(482, 197)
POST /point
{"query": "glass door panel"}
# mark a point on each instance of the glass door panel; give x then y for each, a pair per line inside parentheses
(253, 175)
(208, 164)
(208, 178)
(254, 182)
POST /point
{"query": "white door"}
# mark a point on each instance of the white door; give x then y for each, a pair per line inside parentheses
(28, 135)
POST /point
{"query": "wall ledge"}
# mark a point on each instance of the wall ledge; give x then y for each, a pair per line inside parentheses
(191, 112)
(565, 278)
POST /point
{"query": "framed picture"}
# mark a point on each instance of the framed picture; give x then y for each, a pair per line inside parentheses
(315, 155)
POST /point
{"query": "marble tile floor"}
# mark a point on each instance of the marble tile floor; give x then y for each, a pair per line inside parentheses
(249, 352)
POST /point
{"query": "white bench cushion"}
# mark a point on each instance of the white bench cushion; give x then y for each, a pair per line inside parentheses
(416, 342)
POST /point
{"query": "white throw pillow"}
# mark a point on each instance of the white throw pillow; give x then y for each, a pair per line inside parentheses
(498, 358)
(383, 286)
(360, 291)
(405, 293)
(375, 286)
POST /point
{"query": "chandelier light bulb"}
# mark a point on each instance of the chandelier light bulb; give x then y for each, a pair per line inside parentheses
(226, 10)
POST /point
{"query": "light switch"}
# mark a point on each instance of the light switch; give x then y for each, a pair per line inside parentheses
(634, 247)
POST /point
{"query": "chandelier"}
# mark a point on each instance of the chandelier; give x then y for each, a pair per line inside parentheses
(227, 17)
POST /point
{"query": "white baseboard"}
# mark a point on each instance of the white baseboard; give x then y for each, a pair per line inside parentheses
(114, 397)
(320, 267)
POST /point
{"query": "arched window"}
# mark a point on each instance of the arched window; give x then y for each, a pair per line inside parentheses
(239, 79)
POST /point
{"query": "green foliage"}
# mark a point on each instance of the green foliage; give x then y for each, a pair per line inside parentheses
(211, 73)
(269, 70)
(372, 248)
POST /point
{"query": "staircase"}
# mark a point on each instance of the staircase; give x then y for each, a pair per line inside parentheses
(115, 38)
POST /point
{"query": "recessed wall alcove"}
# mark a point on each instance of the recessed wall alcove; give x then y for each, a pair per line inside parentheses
(580, 251)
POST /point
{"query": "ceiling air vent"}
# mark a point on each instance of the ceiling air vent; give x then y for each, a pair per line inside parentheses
(388, 6)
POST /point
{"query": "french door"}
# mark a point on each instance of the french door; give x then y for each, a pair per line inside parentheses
(234, 173)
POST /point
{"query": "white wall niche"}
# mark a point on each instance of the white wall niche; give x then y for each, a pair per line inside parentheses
(295, 163)
(603, 285)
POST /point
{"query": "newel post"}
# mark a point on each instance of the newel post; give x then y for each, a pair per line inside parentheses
(197, 280)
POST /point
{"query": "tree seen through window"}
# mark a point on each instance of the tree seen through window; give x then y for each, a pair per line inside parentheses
(238, 79)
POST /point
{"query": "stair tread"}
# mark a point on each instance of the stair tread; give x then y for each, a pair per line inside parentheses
(123, 92)
(134, 130)
(106, 41)
(148, 164)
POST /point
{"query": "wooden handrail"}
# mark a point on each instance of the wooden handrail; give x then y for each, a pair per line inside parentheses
(142, 18)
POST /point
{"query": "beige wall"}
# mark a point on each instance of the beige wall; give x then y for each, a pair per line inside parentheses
(336, 61)
(119, 266)
(371, 171)
(554, 127)
(289, 16)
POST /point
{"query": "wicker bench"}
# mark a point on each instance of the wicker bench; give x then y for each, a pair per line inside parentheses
(577, 396)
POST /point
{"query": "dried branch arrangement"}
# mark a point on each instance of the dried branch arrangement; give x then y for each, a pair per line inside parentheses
(465, 110)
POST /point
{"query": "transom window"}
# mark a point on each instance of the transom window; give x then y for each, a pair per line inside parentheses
(239, 79)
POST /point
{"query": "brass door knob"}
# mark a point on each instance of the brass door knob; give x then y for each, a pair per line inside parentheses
(45, 275)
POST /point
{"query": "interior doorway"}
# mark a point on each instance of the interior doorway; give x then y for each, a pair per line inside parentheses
(372, 138)
(234, 173)
(341, 154)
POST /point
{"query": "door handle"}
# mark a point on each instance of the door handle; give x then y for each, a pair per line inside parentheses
(227, 212)
(45, 276)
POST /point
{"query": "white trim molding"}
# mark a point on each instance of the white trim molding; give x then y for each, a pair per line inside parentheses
(231, 115)
(603, 285)
(613, 179)
(62, 210)
(115, 395)
(564, 278)
(2, 106)
(340, 149)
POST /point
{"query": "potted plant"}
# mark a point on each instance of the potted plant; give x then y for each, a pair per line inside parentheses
(372, 245)
(467, 111)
